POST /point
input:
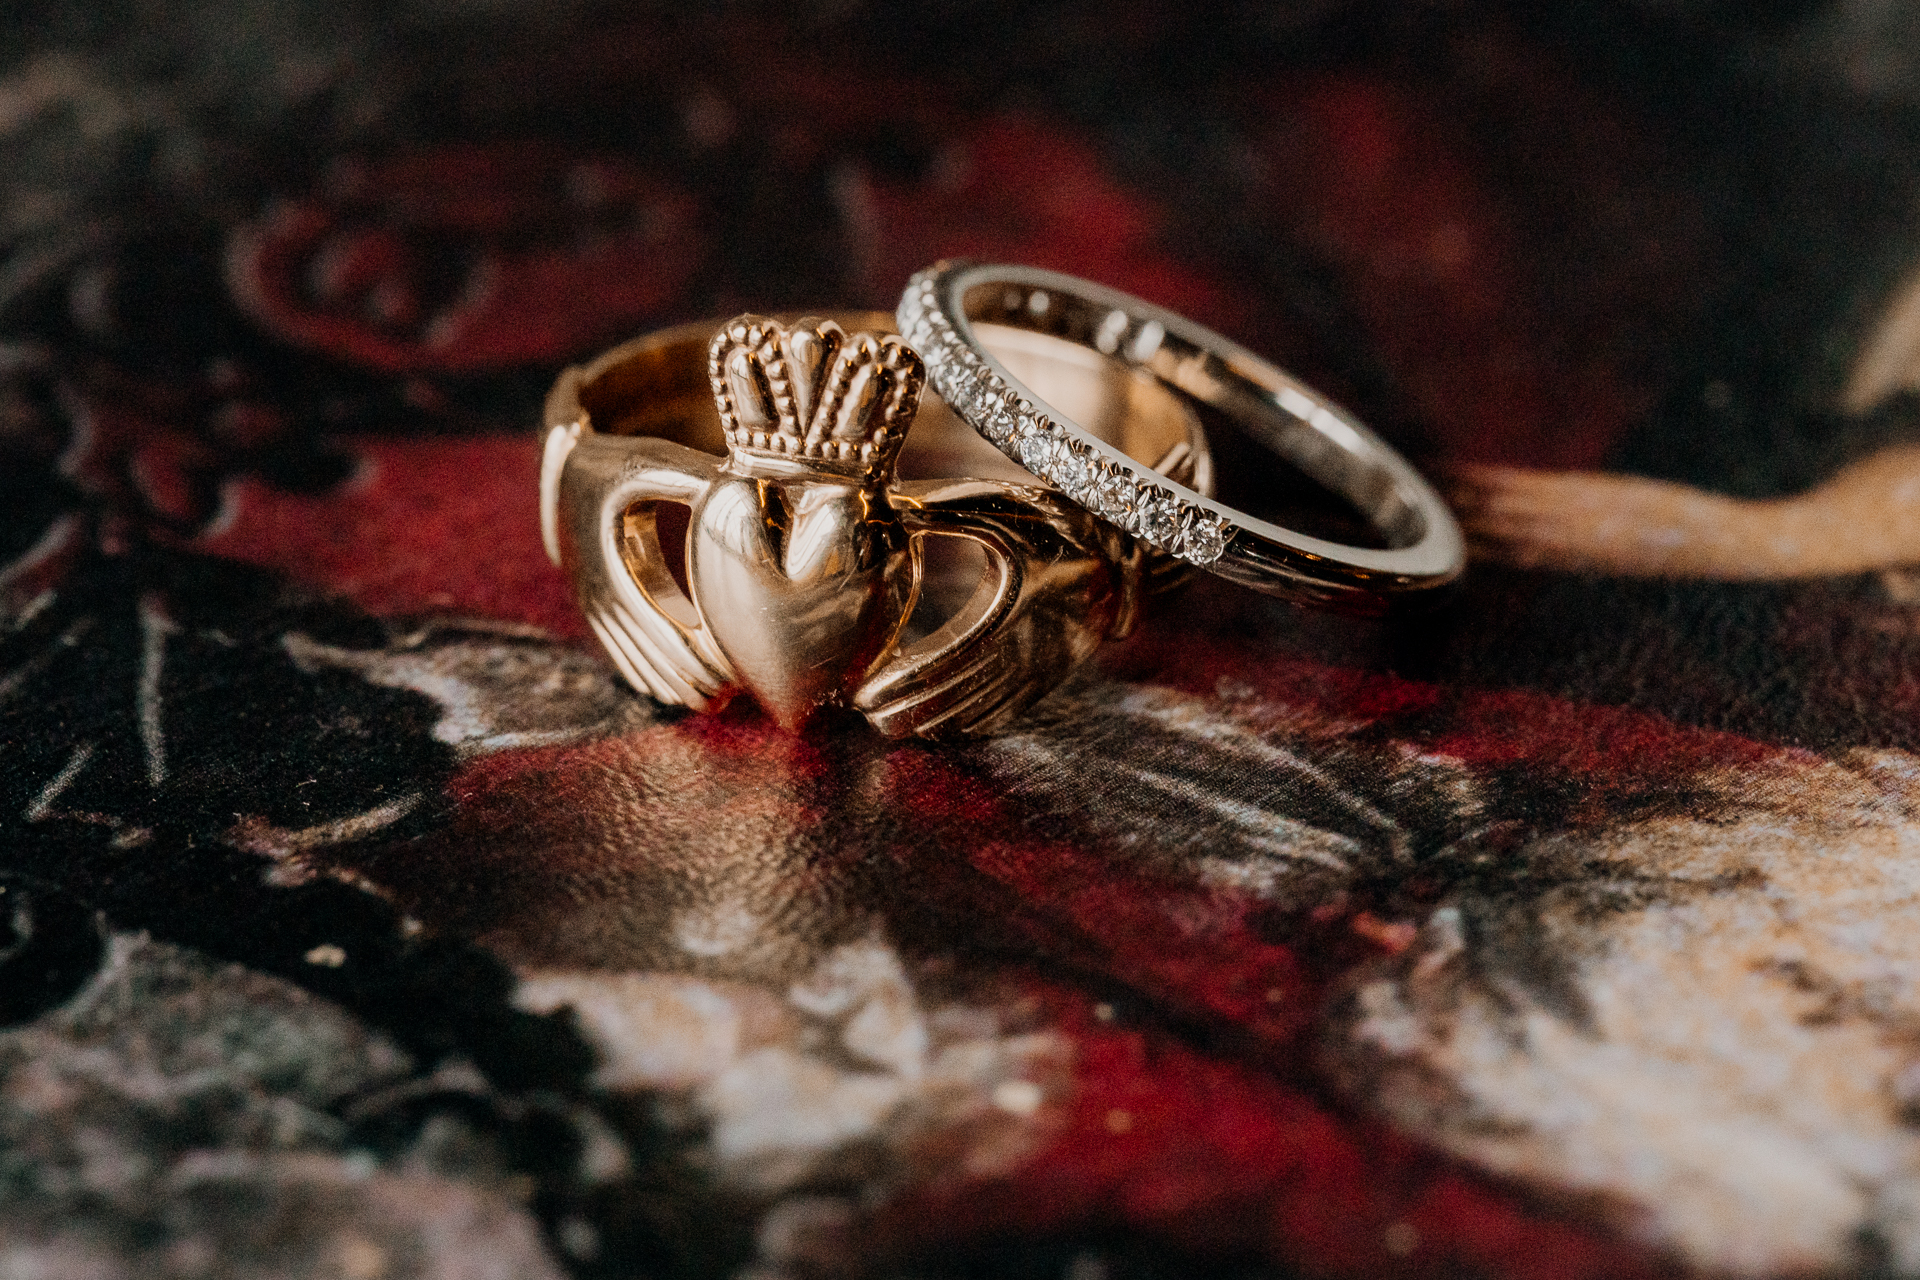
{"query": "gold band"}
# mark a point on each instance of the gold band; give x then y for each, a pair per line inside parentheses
(657, 385)
(805, 558)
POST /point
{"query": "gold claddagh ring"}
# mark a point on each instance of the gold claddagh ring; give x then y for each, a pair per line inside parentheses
(804, 557)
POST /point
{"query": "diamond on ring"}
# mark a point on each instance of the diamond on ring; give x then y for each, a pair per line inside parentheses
(1071, 469)
(1157, 518)
(1000, 424)
(1037, 452)
(1112, 494)
(1204, 539)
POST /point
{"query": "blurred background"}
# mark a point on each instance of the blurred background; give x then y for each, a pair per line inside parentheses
(1654, 234)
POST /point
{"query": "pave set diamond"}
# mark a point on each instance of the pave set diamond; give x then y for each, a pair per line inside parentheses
(985, 401)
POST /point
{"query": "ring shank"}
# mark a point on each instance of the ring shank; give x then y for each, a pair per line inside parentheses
(1424, 548)
(658, 386)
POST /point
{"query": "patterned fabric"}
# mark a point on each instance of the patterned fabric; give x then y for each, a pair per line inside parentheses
(356, 921)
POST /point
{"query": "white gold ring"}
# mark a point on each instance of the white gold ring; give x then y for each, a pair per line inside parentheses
(1424, 548)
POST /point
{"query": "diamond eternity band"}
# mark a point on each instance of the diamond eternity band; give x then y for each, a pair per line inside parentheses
(1022, 431)
(1418, 547)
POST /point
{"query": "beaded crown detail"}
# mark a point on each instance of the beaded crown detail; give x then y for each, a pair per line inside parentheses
(813, 393)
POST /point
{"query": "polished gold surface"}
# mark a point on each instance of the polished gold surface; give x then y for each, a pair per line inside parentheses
(1059, 582)
(804, 559)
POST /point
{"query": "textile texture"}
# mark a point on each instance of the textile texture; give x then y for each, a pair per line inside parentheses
(357, 921)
